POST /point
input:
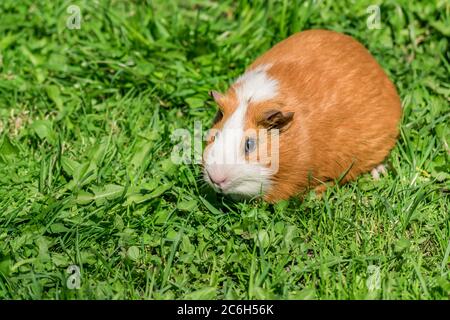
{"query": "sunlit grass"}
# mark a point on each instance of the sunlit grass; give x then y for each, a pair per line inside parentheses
(86, 178)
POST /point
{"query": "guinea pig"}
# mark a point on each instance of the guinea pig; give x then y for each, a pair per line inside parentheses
(334, 110)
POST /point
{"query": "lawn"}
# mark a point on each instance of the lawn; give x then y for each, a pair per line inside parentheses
(92, 207)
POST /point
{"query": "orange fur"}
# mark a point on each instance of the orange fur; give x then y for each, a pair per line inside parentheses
(347, 110)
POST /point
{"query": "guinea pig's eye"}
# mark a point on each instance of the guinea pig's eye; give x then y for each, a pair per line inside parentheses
(250, 145)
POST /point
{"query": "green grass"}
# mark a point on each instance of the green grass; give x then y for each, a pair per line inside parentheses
(86, 177)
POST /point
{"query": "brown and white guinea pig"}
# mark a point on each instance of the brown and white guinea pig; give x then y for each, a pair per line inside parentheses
(334, 110)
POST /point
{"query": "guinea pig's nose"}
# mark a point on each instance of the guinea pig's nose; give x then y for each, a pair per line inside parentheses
(217, 178)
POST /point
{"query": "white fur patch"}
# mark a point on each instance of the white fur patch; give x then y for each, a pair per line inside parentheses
(255, 85)
(226, 154)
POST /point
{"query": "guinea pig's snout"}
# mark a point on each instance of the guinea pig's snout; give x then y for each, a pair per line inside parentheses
(216, 177)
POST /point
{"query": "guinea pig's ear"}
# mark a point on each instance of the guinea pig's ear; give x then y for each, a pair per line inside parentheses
(218, 117)
(276, 119)
(217, 96)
